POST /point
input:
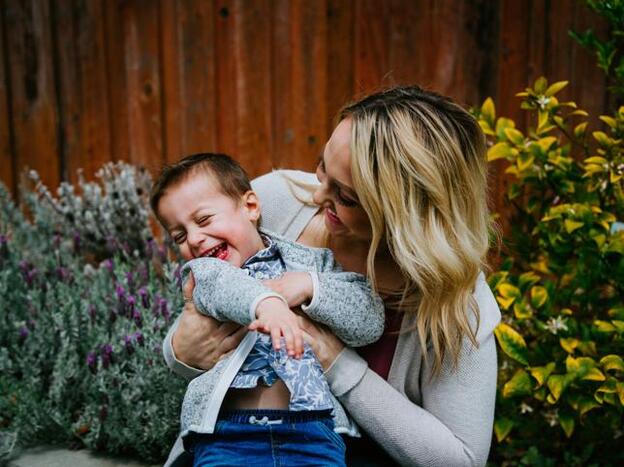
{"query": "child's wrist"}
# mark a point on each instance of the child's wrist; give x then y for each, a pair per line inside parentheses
(270, 303)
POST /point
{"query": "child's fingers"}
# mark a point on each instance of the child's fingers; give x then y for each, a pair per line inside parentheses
(276, 335)
(298, 342)
(290, 339)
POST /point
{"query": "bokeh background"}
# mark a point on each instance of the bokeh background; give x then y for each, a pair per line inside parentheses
(83, 82)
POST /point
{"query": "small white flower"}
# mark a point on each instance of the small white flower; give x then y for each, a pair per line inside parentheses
(554, 325)
(551, 417)
(618, 433)
(525, 408)
(543, 101)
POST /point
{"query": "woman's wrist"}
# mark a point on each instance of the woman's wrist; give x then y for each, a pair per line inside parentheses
(345, 371)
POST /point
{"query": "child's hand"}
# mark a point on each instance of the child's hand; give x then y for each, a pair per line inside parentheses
(295, 287)
(276, 319)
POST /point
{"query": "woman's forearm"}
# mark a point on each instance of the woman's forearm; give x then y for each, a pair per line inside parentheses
(451, 425)
(175, 365)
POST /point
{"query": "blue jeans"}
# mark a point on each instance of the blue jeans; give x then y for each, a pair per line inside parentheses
(270, 438)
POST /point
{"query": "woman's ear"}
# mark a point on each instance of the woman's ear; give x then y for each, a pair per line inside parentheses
(251, 203)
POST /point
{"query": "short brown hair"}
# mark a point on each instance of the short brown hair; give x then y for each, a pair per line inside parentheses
(232, 178)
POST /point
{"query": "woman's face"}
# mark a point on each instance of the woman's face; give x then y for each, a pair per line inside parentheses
(344, 216)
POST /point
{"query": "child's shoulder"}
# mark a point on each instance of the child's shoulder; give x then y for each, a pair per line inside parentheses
(293, 251)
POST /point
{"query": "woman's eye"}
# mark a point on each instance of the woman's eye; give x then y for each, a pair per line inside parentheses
(347, 202)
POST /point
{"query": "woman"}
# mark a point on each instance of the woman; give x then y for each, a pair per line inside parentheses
(402, 198)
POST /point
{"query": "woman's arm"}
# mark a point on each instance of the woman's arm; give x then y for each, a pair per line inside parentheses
(430, 421)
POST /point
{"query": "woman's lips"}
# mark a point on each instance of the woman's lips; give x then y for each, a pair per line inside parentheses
(332, 217)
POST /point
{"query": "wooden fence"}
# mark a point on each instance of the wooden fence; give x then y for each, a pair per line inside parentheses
(83, 82)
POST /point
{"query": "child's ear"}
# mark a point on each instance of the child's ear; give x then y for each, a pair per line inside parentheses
(252, 204)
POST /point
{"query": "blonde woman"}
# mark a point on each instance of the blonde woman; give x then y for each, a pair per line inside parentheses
(401, 197)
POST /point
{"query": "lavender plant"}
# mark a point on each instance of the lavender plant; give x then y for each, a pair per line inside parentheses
(86, 297)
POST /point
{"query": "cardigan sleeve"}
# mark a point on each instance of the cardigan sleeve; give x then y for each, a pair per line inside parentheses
(448, 423)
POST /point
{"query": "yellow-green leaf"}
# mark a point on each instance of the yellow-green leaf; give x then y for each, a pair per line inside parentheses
(486, 128)
(542, 119)
(505, 303)
(609, 121)
(602, 138)
(502, 428)
(586, 404)
(539, 296)
(508, 290)
(540, 85)
(612, 362)
(540, 373)
(579, 130)
(522, 310)
(546, 143)
(567, 423)
(580, 112)
(556, 384)
(514, 136)
(518, 385)
(555, 88)
(604, 326)
(511, 342)
(528, 278)
(594, 374)
(569, 344)
(498, 151)
(571, 225)
(488, 111)
(525, 161)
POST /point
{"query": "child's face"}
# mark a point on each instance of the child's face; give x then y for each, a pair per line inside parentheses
(205, 222)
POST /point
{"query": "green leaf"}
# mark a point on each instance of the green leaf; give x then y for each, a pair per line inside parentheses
(609, 121)
(571, 225)
(539, 296)
(555, 88)
(557, 384)
(514, 136)
(602, 138)
(604, 326)
(569, 344)
(499, 151)
(512, 343)
(542, 120)
(540, 373)
(518, 385)
(488, 111)
(546, 143)
(527, 279)
(502, 428)
(540, 85)
(579, 130)
(567, 423)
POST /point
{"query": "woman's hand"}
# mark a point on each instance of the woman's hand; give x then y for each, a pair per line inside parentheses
(201, 341)
(295, 287)
(324, 343)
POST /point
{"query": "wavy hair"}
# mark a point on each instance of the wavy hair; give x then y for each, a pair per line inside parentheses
(418, 162)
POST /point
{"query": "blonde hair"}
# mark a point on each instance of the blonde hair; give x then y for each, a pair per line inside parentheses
(419, 168)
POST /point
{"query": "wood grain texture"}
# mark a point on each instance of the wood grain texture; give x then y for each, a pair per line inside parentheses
(87, 81)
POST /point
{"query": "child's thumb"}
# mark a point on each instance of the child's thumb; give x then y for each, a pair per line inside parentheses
(189, 285)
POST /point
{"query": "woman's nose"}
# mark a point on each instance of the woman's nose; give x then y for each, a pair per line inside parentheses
(321, 193)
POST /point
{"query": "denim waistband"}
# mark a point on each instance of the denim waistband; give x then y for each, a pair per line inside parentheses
(268, 415)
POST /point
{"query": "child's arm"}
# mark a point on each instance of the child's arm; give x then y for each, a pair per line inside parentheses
(229, 294)
(344, 301)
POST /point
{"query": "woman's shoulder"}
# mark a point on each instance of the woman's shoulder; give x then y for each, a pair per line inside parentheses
(489, 312)
(286, 200)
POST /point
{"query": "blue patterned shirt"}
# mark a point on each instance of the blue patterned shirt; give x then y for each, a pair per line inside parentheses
(264, 365)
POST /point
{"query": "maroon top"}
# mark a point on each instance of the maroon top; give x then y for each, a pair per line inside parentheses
(379, 354)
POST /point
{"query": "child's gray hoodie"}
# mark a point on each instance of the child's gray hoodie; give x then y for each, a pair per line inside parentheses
(344, 301)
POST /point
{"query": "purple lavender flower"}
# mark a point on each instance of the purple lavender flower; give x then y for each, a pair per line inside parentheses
(149, 249)
(144, 297)
(62, 273)
(121, 292)
(23, 333)
(138, 319)
(108, 264)
(30, 277)
(91, 310)
(57, 240)
(92, 362)
(157, 348)
(111, 244)
(164, 309)
(77, 243)
(103, 412)
(138, 336)
(156, 306)
(112, 315)
(3, 240)
(24, 266)
(127, 343)
(144, 273)
(4, 249)
(130, 280)
(107, 355)
(177, 275)
(162, 253)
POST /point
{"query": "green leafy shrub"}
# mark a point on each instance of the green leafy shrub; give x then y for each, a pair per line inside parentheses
(86, 297)
(561, 284)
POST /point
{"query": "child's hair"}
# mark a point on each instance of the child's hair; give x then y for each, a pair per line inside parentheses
(232, 178)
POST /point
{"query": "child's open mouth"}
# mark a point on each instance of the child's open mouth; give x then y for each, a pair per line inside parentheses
(220, 252)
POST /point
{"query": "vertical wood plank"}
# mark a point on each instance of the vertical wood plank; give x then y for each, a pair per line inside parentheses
(116, 79)
(371, 45)
(173, 105)
(226, 77)
(404, 57)
(29, 45)
(253, 85)
(340, 50)
(197, 76)
(140, 21)
(7, 175)
(83, 100)
(309, 82)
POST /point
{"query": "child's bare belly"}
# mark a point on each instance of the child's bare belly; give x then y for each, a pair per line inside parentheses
(260, 397)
